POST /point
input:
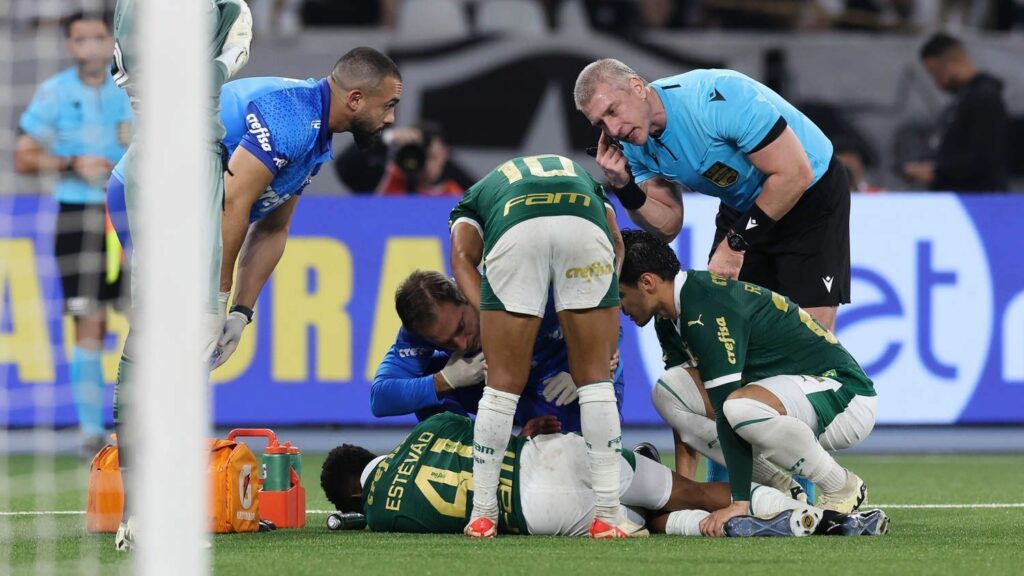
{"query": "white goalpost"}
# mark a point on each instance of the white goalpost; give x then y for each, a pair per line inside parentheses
(169, 399)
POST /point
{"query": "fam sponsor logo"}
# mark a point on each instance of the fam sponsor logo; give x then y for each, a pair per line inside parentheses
(547, 198)
(588, 273)
(257, 129)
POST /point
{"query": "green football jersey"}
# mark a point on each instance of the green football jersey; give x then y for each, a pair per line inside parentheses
(741, 332)
(531, 187)
(673, 351)
(426, 483)
(127, 58)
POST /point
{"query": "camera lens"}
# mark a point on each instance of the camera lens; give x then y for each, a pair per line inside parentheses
(411, 157)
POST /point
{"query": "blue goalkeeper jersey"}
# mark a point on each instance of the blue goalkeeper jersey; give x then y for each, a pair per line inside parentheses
(715, 118)
(283, 122)
(404, 382)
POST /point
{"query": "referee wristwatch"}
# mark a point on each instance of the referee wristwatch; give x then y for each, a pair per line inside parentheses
(736, 242)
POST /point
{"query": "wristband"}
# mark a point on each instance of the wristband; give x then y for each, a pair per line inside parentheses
(750, 229)
(244, 311)
(70, 166)
(631, 196)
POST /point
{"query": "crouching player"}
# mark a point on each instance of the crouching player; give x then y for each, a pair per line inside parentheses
(681, 400)
(435, 364)
(426, 485)
(780, 384)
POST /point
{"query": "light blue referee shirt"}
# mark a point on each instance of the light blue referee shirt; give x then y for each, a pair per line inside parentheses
(69, 118)
(714, 119)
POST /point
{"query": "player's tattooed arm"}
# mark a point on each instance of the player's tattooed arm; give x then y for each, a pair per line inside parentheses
(467, 252)
(246, 178)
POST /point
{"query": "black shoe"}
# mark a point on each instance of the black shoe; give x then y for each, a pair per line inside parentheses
(836, 524)
(873, 522)
(647, 450)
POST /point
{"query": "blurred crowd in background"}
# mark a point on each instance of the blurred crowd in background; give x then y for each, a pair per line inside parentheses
(287, 17)
(428, 153)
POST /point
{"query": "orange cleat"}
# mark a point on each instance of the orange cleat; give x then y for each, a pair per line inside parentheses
(481, 527)
(602, 530)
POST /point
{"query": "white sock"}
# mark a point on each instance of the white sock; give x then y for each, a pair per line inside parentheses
(685, 522)
(603, 433)
(764, 472)
(767, 501)
(785, 441)
(490, 437)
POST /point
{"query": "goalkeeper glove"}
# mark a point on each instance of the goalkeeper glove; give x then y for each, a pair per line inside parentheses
(230, 336)
(462, 372)
(560, 389)
(235, 53)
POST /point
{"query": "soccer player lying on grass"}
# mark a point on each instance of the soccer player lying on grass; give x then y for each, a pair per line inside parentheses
(426, 485)
(780, 384)
(435, 364)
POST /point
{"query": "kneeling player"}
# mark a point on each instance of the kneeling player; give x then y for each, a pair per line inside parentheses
(426, 485)
(781, 384)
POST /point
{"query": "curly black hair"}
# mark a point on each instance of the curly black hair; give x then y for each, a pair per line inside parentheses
(645, 253)
(339, 476)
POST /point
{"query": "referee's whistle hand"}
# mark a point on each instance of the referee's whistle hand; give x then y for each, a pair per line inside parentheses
(612, 161)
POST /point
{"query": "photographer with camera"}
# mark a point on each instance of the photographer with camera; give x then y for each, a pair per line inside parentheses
(409, 160)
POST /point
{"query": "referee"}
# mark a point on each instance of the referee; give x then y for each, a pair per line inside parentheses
(784, 217)
(77, 125)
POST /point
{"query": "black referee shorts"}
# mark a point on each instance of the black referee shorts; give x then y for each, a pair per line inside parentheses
(806, 256)
(81, 250)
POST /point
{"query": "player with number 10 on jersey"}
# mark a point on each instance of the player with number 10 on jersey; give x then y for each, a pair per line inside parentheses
(538, 222)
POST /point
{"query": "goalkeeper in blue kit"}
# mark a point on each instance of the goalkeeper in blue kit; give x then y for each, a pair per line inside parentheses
(435, 364)
(279, 134)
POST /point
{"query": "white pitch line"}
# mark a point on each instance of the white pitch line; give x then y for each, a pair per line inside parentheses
(946, 506)
(45, 513)
(1005, 505)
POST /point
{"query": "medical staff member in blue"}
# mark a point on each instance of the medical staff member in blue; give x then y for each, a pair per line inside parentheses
(76, 127)
(279, 134)
(435, 364)
(784, 217)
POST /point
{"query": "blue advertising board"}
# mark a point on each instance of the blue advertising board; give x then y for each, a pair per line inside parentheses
(937, 318)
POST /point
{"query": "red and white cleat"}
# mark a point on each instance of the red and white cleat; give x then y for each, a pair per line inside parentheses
(602, 530)
(481, 527)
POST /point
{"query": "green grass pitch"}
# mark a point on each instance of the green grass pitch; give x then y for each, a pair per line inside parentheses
(966, 540)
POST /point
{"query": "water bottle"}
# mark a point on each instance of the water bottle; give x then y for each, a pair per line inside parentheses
(346, 521)
(276, 464)
(295, 458)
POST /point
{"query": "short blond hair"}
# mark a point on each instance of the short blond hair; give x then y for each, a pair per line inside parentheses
(609, 71)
